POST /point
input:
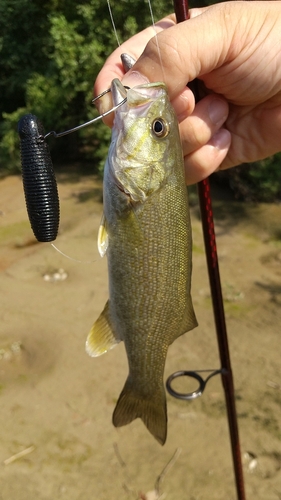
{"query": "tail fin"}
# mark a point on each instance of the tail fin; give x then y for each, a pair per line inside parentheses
(152, 410)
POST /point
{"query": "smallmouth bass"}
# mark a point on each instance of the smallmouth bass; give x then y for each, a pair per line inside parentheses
(146, 234)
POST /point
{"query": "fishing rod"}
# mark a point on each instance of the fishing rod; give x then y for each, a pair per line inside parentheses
(204, 194)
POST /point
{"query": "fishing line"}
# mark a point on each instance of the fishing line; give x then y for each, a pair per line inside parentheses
(72, 258)
(156, 39)
(153, 27)
(113, 23)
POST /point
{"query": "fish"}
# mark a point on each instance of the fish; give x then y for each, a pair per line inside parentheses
(145, 233)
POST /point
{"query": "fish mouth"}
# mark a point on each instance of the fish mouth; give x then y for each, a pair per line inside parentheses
(137, 96)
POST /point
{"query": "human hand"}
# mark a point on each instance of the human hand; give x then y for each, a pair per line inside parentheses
(233, 48)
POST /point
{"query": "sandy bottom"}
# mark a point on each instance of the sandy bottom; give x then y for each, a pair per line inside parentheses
(57, 439)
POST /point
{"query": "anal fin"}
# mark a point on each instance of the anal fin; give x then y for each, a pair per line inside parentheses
(102, 336)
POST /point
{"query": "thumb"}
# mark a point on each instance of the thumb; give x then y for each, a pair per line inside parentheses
(186, 51)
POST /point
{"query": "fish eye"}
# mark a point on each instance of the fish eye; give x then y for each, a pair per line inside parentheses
(160, 128)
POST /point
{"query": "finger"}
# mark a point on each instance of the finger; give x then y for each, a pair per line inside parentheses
(183, 104)
(207, 118)
(206, 160)
(197, 11)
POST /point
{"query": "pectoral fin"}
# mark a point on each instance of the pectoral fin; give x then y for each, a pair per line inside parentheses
(102, 237)
(102, 337)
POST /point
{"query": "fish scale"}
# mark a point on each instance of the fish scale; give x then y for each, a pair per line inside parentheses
(147, 233)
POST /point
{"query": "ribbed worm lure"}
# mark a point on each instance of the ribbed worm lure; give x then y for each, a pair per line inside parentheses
(39, 181)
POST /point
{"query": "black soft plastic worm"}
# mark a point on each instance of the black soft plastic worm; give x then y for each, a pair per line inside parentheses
(39, 182)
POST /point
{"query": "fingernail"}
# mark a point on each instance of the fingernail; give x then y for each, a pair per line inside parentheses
(133, 78)
(217, 111)
(221, 139)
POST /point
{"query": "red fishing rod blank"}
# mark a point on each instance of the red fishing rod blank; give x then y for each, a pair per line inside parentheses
(181, 11)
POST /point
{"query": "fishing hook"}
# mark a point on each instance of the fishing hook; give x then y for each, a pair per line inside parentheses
(74, 129)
